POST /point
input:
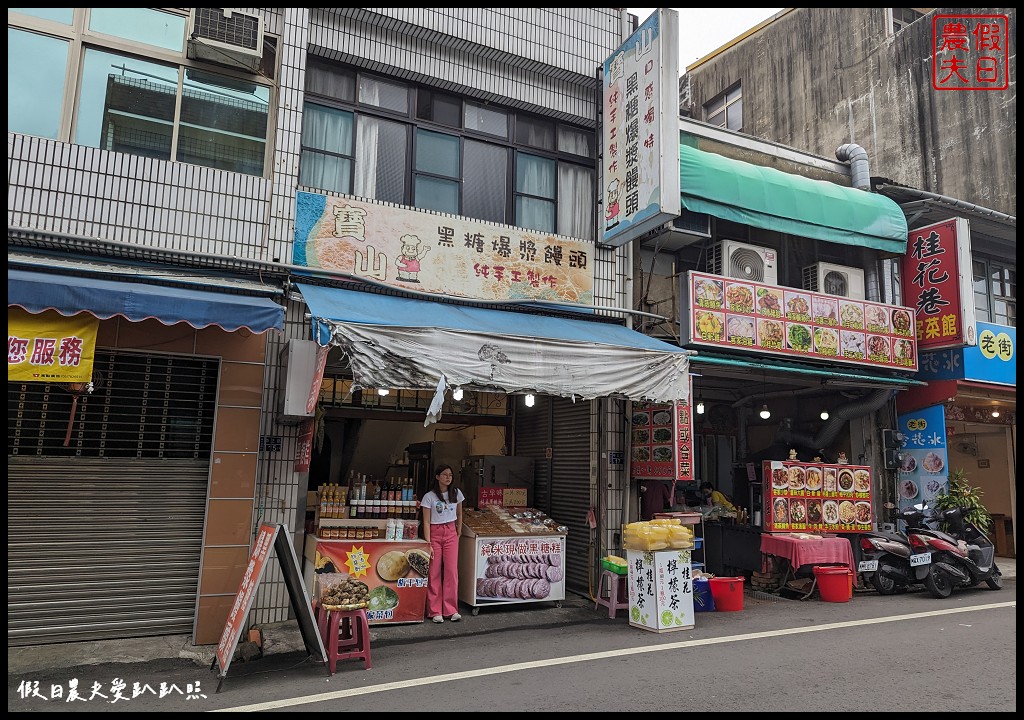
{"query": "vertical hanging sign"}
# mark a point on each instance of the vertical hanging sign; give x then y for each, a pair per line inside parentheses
(640, 131)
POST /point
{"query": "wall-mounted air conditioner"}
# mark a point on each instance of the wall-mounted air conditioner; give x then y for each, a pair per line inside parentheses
(838, 280)
(693, 223)
(747, 262)
(227, 37)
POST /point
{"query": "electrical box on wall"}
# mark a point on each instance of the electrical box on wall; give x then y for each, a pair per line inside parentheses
(298, 364)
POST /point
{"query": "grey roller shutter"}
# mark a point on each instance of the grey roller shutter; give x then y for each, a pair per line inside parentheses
(532, 439)
(570, 487)
(102, 548)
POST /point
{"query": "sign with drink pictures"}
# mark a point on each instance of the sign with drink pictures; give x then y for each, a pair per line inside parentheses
(923, 472)
(772, 319)
(660, 589)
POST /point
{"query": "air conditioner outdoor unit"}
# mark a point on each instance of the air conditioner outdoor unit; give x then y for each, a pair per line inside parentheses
(747, 262)
(227, 37)
(835, 280)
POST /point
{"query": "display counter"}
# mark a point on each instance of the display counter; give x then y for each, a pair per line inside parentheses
(510, 556)
(394, 571)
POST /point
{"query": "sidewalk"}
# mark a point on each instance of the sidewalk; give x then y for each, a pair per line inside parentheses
(285, 637)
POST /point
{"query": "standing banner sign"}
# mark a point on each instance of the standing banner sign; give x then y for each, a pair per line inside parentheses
(275, 536)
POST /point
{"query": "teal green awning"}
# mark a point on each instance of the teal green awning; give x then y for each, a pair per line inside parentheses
(767, 198)
(770, 364)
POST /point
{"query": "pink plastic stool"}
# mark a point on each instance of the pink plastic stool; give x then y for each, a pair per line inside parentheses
(346, 635)
(618, 598)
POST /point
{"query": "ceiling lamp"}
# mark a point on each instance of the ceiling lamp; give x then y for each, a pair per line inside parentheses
(529, 400)
(382, 391)
(824, 415)
(765, 412)
(457, 394)
(995, 412)
(700, 407)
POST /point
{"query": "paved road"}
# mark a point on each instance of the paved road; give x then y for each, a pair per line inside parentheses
(905, 653)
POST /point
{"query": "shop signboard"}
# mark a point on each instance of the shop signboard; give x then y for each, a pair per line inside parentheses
(923, 472)
(774, 320)
(938, 282)
(662, 441)
(502, 570)
(640, 140)
(660, 590)
(440, 254)
(992, 360)
(395, 574)
(816, 497)
(49, 347)
(501, 496)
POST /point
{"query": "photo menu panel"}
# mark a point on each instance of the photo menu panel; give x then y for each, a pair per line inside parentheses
(812, 497)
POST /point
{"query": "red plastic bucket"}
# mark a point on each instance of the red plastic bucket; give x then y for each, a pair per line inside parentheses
(727, 593)
(835, 584)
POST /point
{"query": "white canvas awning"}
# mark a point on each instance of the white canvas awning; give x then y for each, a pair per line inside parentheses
(395, 342)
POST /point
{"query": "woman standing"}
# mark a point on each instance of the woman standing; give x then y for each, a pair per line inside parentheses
(442, 525)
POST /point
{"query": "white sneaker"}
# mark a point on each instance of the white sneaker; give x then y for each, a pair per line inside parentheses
(438, 619)
(456, 617)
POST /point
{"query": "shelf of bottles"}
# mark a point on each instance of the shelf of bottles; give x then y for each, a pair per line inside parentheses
(365, 498)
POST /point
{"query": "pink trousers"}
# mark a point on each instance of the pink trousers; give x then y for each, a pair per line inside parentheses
(443, 584)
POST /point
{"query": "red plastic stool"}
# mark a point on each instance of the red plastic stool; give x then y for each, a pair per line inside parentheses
(618, 597)
(346, 635)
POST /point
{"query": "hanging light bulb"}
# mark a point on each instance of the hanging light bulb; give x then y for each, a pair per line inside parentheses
(995, 413)
(457, 394)
(824, 415)
(529, 400)
(765, 412)
(700, 407)
(382, 391)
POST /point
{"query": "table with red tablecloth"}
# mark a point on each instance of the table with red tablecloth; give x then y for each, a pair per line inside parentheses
(800, 549)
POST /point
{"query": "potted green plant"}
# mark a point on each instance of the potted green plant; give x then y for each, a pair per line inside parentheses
(961, 494)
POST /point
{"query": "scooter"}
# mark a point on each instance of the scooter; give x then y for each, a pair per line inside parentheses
(889, 562)
(961, 558)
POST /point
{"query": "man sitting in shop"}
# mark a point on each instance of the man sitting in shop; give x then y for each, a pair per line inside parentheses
(655, 497)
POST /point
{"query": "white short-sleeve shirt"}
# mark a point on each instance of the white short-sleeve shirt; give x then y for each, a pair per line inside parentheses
(440, 511)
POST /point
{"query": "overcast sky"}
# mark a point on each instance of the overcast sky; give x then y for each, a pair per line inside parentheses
(702, 30)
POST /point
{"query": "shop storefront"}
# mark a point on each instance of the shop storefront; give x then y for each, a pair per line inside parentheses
(129, 481)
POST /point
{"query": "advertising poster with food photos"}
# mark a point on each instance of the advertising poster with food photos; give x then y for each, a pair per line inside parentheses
(515, 569)
(922, 474)
(662, 442)
(810, 497)
(738, 314)
(394, 575)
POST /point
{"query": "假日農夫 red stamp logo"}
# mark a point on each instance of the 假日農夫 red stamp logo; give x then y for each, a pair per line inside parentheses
(971, 52)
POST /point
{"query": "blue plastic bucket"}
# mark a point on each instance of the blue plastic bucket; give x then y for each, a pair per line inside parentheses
(703, 600)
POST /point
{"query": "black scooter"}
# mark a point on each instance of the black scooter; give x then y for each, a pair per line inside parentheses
(889, 562)
(962, 558)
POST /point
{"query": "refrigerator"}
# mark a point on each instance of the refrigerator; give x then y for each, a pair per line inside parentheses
(487, 471)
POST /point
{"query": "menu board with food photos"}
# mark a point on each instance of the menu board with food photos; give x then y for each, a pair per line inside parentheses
(662, 441)
(816, 497)
(727, 312)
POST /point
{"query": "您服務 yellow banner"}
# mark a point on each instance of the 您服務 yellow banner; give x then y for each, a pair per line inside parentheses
(49, 347)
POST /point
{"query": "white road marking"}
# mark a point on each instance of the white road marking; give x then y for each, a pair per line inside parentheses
(588, 657)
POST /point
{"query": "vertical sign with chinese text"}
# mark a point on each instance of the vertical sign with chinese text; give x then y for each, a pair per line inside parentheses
(660, 590)
(923, 473)
(640, 137)
(938, 284)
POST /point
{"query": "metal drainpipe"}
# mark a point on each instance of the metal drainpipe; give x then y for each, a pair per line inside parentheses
(857, 156)
(863, 406)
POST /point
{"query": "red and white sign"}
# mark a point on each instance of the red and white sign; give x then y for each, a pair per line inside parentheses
(235, 623)
(972, 52)
(772, 319)
(662, 441)
(938, 282)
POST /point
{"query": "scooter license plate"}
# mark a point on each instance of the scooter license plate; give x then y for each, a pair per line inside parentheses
(922, 559)
(867, 566)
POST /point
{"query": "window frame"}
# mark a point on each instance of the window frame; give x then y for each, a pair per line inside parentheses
(994, 290)
(728, 98)
(419, 94)
(81, 39)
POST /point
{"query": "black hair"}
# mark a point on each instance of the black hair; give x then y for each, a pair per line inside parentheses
(706, 486)
(453, 494)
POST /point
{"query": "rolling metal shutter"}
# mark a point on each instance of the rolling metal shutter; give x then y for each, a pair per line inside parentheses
(561, 482)
(570, 487)
(105, 533)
